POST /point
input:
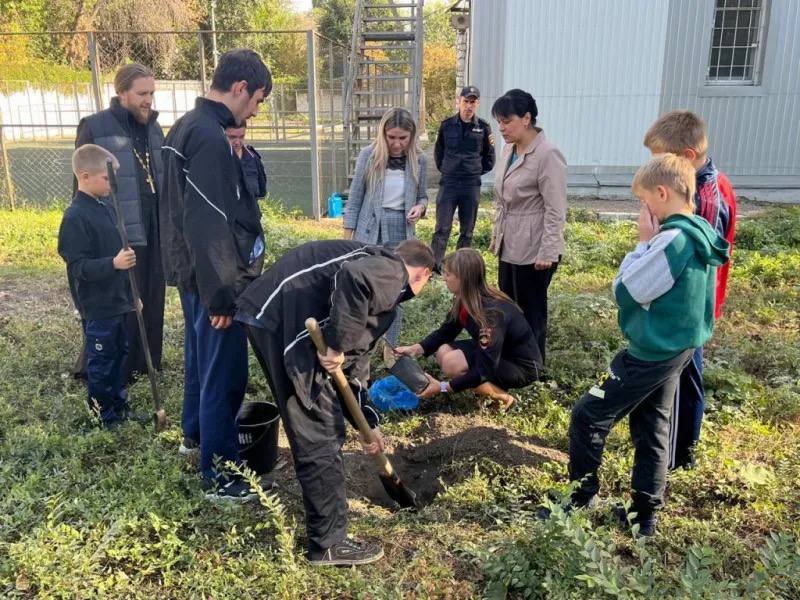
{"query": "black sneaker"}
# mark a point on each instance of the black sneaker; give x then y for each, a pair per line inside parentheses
(234, 491)
(189, 446)
(645, 521)
(347, 553)
(544, 513)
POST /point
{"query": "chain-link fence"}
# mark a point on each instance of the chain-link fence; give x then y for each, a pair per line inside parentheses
(299, 130)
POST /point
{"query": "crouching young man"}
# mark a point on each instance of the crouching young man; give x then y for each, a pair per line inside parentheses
(352, 290)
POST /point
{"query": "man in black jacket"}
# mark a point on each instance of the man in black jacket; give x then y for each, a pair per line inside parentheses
(352, 290)
(129, 129)
(213, 245)
(464, 151)
(255, 176)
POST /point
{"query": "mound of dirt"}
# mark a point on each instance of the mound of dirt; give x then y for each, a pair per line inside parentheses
(444, 448)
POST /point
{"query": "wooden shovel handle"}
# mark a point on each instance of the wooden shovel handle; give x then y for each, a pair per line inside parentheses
(347, 393)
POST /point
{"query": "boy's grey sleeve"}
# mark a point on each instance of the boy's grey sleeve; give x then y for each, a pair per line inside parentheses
(646, 273)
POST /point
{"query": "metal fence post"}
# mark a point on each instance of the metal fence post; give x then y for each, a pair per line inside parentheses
(98, 99)
(12, 195)
(334, 174)
(202, 50)
(312, 121)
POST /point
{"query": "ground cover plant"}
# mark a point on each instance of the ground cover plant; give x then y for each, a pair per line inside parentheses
(92, 513)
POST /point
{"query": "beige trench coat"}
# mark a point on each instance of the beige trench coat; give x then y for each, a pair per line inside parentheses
(530, 204)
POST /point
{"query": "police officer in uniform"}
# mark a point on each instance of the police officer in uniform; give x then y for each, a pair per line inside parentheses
(255, 177)
(464, 151)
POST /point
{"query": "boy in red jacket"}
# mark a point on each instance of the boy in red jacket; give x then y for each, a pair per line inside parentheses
(682, 132)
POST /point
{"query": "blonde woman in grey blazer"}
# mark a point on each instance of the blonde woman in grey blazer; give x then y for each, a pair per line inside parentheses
(388, 196)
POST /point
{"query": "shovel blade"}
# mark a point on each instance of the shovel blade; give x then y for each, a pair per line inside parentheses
(398, 491)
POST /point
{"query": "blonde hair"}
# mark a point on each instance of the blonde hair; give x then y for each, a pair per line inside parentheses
(670, 170)
(91, 158)
(677, 131)
(127, 74)
(394, 117)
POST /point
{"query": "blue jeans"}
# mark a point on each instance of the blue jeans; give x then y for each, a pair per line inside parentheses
(106, 350)
(215, 379)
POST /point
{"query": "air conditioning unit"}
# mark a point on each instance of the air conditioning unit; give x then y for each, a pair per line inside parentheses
(459, 20)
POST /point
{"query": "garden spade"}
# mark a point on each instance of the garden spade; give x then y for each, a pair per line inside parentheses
(389, 478)
(159, 414)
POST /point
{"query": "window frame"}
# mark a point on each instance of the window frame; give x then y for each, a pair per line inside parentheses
(758, 54)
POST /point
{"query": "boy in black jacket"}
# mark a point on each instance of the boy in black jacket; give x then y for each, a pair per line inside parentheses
(352, 290)
(89, 243)
(212, 246)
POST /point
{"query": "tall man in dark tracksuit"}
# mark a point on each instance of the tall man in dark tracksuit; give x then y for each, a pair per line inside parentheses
(255, 177)
(352, 289)
(213, 247)
(129, 129)
(464, 151)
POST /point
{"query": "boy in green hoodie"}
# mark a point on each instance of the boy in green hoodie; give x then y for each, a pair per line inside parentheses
(657, 289)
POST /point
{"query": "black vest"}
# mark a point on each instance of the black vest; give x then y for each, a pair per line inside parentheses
(108, 132)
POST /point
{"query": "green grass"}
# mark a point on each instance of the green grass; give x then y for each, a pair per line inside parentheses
(90, 513)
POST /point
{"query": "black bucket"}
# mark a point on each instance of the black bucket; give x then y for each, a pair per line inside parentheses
(258, 435)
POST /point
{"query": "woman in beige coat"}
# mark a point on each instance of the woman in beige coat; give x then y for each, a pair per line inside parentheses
(530, 193)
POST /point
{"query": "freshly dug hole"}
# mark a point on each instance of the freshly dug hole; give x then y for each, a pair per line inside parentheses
(444, 449)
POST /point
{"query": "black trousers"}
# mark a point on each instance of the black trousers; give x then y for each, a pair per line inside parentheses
(316, 435)
(644, 390)
(150, 281)
(452, 197)
(528, 288)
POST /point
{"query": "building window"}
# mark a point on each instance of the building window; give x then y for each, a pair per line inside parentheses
(737, 42)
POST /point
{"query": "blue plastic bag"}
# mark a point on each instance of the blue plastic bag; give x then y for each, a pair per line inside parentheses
(390, 394)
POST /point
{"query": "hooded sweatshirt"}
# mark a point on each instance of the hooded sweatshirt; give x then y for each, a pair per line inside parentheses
(660, 285)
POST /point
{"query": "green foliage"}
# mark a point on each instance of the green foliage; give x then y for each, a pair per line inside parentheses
(775, 228)
(92, 513)
(334, 19)
(566, 556)
(437, 23)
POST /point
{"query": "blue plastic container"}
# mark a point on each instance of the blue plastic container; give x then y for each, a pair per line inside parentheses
(389, 393)
(335, 206)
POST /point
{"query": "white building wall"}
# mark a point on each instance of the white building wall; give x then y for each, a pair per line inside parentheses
(594, 67)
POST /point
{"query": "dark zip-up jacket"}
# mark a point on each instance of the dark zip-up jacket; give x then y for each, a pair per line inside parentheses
(88, 241)
(463, 151)
(255, 176)
(352, 289)
(509, 337)
(211, 236)
(116, 130)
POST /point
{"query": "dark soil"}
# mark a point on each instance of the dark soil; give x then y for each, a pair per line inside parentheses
(443, 450)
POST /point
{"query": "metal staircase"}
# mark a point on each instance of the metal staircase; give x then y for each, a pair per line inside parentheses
(384, 70)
